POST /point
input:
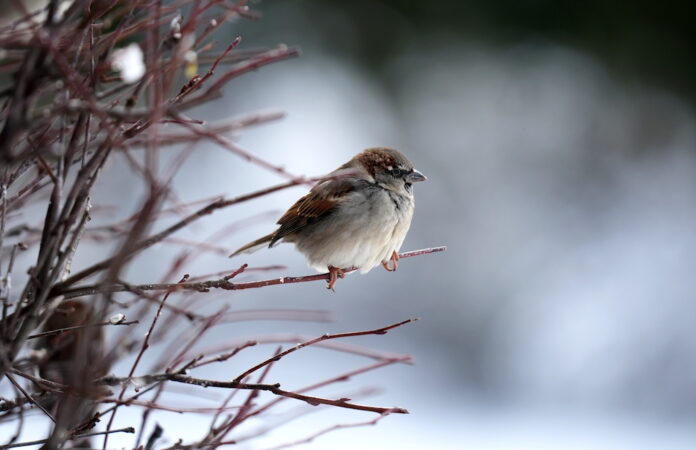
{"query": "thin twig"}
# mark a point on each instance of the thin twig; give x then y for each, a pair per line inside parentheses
(195, 363)
(222, 283)
(62, 330)
(29, 397)
(310, 438)
(96, 433)
(339, 378)
(272, 388)
(220, 432)
(325, 337)
(45, 384)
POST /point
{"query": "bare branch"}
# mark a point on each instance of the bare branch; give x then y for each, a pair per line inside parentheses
(29, 397)
(310, 438)
(325, 337)
(62, 330)
(77, 436)
(222, 283)
(272, 388)
(340, 378)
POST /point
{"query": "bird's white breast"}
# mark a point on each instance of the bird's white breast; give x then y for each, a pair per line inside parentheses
(362, 232)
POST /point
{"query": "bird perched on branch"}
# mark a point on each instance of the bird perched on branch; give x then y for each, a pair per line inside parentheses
(63, 360)
(71, 353)
(357, 217)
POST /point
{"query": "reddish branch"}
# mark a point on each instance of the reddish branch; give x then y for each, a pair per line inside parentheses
(176, 409)
(340, 378)
(337, 346)
(198, 361)
(237, 383)
(63, 330)
(78, 436)
(325, 337)
(225, 126)
(29, 397)
(277, 54)
(222, 283)
(273, 388)
(217, 434)
(310, 438)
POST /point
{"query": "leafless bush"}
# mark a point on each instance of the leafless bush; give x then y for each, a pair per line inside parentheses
(80, 82)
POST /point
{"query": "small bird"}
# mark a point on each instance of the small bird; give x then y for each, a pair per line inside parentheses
(71, 352)
(356, 218)
(63, 361)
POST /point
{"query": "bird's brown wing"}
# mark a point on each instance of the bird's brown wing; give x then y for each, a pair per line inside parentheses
(313, 207)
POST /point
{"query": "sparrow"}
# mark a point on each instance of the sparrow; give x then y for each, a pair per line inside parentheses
(70, 352)
(60, 351)
(356, 218)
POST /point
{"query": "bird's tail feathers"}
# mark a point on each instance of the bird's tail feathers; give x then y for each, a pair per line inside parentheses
(251, 247)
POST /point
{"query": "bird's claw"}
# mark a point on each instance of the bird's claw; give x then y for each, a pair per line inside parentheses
(394, 262)
(334, 274)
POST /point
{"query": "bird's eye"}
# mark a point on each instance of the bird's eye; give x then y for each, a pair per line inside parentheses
(396, 172)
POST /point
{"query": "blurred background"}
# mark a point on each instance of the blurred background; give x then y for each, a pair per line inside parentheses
(559, 140)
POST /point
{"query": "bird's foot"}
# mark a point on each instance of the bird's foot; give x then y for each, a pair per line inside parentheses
(394, 262)
(334, 274)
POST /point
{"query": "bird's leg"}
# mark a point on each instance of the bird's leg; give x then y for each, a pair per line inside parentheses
(394, 262)
(334, 274)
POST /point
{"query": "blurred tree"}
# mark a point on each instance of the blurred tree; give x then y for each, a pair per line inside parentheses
(646, 41)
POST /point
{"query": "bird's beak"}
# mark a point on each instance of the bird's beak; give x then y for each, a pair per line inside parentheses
(415, 176)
